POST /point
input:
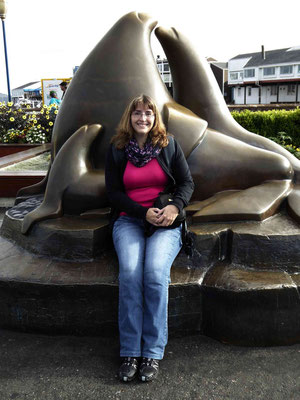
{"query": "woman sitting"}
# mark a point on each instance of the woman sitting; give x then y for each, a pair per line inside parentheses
(142, 161)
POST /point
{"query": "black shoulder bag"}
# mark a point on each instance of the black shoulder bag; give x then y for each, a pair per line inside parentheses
(162, 201)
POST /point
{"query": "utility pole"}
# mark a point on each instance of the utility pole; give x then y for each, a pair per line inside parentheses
(2, 16)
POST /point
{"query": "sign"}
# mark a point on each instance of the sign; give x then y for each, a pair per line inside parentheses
(52, 84)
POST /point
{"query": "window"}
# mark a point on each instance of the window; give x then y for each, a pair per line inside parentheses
(166, 67)
(298, 69)
(233, 76)
(269, 71)
(249, 91)
(167, 78)
(249, 73)
(273, 90)
(241, 75)
(291, 89)
(287, 69)
(159, 66)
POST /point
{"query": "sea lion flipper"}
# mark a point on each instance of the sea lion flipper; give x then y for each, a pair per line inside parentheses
(256, 203)
(44, 211)
(37, 188)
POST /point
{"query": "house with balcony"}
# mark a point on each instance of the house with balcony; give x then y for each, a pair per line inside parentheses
(266, 77)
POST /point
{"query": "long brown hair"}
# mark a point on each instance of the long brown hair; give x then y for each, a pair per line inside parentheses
(158, 133)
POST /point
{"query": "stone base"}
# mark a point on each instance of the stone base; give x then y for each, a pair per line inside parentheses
(241, 286)
(40, 294)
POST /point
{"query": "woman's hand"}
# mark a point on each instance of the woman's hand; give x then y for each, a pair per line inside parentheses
(167, 215)
(152, 216)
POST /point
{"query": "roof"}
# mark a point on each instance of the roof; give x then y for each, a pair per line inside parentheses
(279, 56)
(222, 65)
(27, 84)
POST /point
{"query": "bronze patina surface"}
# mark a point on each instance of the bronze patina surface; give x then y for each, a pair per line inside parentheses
(242, 283)
(222, 155)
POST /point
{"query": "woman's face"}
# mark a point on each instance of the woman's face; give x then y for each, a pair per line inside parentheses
(142, 119)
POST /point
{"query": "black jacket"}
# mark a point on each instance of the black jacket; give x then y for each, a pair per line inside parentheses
(172, 161)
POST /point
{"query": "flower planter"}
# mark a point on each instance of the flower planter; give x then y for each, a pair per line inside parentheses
(7, 149)
(12, 181)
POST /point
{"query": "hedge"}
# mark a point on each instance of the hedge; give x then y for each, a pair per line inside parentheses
(271, 123)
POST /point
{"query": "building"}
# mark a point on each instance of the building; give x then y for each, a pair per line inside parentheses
(30, 91)
(219, 69)
(3, 97)
(165, 73)
(265, 77)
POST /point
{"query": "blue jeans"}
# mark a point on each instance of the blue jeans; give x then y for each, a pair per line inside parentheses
(144, 277)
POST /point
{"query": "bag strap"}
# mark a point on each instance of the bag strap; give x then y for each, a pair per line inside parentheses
(187, 240)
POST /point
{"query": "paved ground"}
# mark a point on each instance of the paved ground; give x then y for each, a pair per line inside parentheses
(40, 367)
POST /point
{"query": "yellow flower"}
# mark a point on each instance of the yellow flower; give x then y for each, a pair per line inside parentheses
(44, 106)
(50, 123)
(42, 112)
(39, 126)
(47, 112)
(10, 104)
(47, 117)
(19, 109)
(28, 106)
(34, 121)
(56, 111)
(24, 117)
(11, 119)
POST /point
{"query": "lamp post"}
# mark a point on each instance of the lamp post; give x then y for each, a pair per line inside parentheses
(2, 16)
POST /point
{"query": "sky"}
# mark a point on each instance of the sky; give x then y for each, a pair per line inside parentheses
(47, 39)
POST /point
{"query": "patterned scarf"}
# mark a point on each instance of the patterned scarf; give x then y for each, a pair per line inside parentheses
(140, 157)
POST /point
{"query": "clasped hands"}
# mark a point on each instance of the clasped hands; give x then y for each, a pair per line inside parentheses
(162, 217)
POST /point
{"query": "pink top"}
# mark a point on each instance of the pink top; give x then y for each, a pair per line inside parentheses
(144, 184)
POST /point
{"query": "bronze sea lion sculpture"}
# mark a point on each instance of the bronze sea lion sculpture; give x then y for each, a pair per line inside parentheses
(233, 169)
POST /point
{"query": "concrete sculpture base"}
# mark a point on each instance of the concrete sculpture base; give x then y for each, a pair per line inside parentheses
(243, 289)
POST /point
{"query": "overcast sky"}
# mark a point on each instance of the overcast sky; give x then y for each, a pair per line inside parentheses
(46, 39)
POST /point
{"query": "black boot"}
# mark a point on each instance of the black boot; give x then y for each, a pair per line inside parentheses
(148, 369)
(128, 369)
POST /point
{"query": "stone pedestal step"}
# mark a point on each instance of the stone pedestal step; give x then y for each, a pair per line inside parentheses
(230, 303)
(240, 286)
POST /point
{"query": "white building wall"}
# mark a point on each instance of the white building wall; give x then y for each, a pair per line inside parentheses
(254, 97)
(285, 96)
(239, 95)
(253, 78)
(236, 66)
(266, 95)
(277, 75)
